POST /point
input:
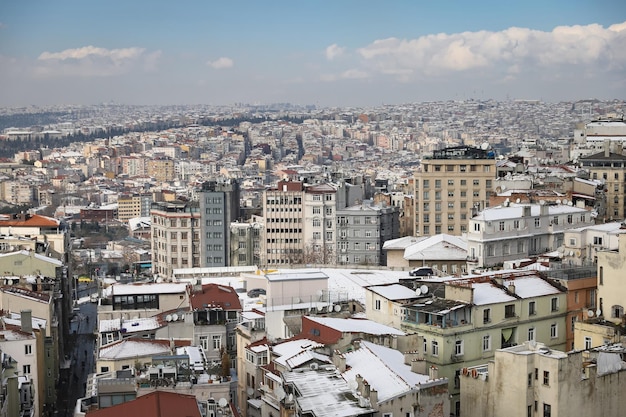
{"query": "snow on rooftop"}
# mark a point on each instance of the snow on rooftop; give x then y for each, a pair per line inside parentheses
(131, 326)
(393, 291)
(291, 348)
(531, 286)
(157, 288)
(356, 326)
(383, 368)
(515, 211)
(133, 348)
(352, 282)
(487, 293)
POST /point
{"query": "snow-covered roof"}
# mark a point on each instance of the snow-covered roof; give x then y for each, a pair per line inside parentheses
(383, 368)
(516, 211)
(356, 326)
(402, 242)
(296, 275)
(35, 255)
(438, 247)
(289, 349)
(488, 293)
(131, 325)
(393, 291)
(531, 286)
(130, 348)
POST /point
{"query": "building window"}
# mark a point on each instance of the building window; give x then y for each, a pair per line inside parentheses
(217, 342)
(546, 377)
(486, 315)
(601, 276)
(26, 369)
(529, 381)
(588, 344)
(516, 224)
(377, 305)
(437, 183)
(554, 304)
(204, 342)
(28, 349)
(547, 410)
(537, 222)
(501, 226)
(617, 311)
(554, 331)
(458, 348)
(597, 240)
(509, 310)
(435, 348)
(486, 343)
(531, 333)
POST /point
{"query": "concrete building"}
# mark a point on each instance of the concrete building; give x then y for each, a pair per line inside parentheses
(132, 206)
(580, 245)
(362, 231)
(610, 168)
(611, 279)
(320, 229)
(534, 380)
(475, 316)
(251, 356)
(515, 231)
(443, 252)
(449, 185)
(175, 230)
(161, 168)
(245, 242)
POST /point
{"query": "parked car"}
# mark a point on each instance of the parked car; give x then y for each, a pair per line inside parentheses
(422, 271)
(255, 292)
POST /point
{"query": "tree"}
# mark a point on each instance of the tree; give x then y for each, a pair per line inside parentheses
(225, 364)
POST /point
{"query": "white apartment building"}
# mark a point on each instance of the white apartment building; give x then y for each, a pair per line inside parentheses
(580, 245)
(516, 231)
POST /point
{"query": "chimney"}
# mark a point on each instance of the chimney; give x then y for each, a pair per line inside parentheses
(339, 361)
(433, 372)
(607, 148)
(373, 397)
(418, 366)
(410, 357)
(26, 317)
(512, 288)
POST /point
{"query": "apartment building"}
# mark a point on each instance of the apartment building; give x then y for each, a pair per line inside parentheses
(516, 231)
(532, 379)
(320, 234)
(580, 245)
(175, 230)
(245, 242)
(610, 168)
(131, 206)
(363, 229)
(448, 185)
(478, 315)
(161, 169)
(219, 206)
(284, 239)
(611, 278)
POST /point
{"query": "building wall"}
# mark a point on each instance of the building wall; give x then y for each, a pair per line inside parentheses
(611, 282)
(447, 189)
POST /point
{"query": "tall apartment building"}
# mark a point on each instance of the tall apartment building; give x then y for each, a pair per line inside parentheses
(219, 206)
(161, 168)
(284, 224)
(132, 206)
(320, 237)
(611, 168)
(245, 242)
(175, 236)
(363, 229)
(449, 185)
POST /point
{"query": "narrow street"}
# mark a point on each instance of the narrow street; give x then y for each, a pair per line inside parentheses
(81, 360)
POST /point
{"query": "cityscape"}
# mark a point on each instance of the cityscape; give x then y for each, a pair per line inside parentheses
(263, 210)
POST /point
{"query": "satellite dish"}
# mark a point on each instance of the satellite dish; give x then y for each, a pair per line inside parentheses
(280, 393)
(174, 317)
(353, 385)
(484, 146)
(558, 201)
(319, 308)
(337, 308)
(569, 203)
(542, 202)
(590, 313)
(418, 291)
(250, 391)
(314, 366)
(168, 318)
(598, 312)
(424, 289)
(222, 402)
(517, 201)
(296, 300)
(159, 280)
(182, 317)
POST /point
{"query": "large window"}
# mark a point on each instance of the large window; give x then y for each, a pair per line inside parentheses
(435, 348)
(509, 310)
(554, 331)
(458, 347)
(486, 315)
(135, 302)
(532, 308)
(554, 304)
(486, 343)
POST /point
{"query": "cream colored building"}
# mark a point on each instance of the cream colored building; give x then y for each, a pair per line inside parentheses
(533, 380)
(448, 186)
(597, 332)
(612, 282)
(484, 313)
(610, 168)
(387, 303)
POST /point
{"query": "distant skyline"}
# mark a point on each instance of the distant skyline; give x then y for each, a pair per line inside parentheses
(332, 53)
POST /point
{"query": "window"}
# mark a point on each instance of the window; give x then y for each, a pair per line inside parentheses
(554, 304)
(217, 342)
(451, 183)
(476, 182)
(317, 210)
(458, 348)
(617, 311)
(601, 276)
(531, 333)
(546, 377)
(547, 410)
(486, 315)
(516, 224)
(486, 343)
(509, 310)
(588, 344)
(28, 349)
(501, 226)
(597, 240)
(532, 308)
(477, 227)
(377, 305)
(435, 348)
(426, 183)
(537, 222)
(204, 342)
(529, 381)
(26, 369)
(554, 331)
(437, 183)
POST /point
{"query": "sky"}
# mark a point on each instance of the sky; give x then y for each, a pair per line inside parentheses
(325, 53)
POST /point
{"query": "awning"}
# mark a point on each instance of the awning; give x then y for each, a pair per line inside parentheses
(506, 334)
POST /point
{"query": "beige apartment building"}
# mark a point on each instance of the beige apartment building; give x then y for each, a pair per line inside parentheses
(131, 206)
(449, 185)
(611, 279)
(161, 169)
(610, 168)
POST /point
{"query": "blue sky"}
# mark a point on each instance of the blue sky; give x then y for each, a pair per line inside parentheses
(328, 53)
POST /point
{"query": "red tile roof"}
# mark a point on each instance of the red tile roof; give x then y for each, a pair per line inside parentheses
(28, 220)
(155, 404)
(214, 295)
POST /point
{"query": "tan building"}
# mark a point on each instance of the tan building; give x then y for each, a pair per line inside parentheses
(611, 168)
(534, 380)
(611, 280)
(131, 206)
(161, 169)
(442, 252)
(449, 185)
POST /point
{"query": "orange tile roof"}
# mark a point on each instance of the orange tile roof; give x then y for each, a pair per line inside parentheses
(34, 220)
(154, 404)
(216, 295)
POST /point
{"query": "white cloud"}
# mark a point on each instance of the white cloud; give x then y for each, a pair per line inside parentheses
(221, 63)
(90, 61)
(354, 74)
(593, 47)
(334, 51)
